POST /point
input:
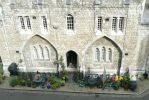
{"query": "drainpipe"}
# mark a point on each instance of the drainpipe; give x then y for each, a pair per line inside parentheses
(124, 50)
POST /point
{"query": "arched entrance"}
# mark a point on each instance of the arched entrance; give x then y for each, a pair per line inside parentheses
(72, 59)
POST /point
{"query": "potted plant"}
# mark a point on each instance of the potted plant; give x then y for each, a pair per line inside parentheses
(29, 83)
(126, 81)
(133, 83)
(60, 63)
(116, 82)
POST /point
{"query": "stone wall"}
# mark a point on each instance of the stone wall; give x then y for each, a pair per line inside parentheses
(98, 66)
(13, 38)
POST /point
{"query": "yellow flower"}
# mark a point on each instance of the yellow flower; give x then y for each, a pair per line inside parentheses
(116, 78)
(120, 78)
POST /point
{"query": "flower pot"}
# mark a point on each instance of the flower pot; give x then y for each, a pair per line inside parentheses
(125, 86)
(133, 85)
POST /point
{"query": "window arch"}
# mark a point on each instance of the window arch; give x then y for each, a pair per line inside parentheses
(46, 53)
(70, 22)
(110, 54)
(41, 52)
(97, 55)
(35, 52)
(104, 54)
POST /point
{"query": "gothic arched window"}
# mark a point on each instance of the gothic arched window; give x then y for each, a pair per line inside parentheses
(104, 54)
(35, 52)
(97, 54)
(41, 52)
(47, 53)
(110, 54)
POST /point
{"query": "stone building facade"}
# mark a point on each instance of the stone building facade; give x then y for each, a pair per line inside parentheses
(90, 35)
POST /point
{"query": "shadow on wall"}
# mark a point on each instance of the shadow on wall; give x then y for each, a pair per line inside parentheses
(120, 55)
(143, 60)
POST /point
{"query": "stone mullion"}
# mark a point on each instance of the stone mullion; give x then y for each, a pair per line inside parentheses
(117, 24)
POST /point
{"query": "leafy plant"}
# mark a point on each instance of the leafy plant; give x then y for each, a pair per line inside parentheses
(29, 75)
(22, 82)
(77, 77)
(55, 86)
(126, 80)
(29, 83)
(64, 75)
(1, 78)
(61, 63)
(1, 69)
(13, 81)
(23, 75)
(56, 82)
(52, 79)
(13, 69)
(1, 73)
(34, 85)
(116, 85)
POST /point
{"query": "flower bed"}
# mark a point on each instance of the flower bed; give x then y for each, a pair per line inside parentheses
(26, 79)
(114, 81)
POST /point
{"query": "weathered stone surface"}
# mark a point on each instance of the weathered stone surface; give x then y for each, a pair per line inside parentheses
(133, 42)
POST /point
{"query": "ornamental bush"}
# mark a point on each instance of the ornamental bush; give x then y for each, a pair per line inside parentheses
(1, 78)
(126, 81)
(56, 82)
(1, 73)
(116, 85)
(13, 81)
(55, 86)
(22, 82)
(1, 69)
(29, 83)
(77, 77)
(13, 69)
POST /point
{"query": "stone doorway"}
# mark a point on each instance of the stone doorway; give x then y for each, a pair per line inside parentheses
(72, 59)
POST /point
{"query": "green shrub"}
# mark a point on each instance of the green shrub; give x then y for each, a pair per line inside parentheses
(18, 81)
(22, 75)
(55, 86)
(64, 75)
(116, 85)
(13, 81)
(22, 82)
(34, 85)
(13, 69)
(65, 72)
(1, 69)
(126, 81)
(54, 80)
(62, 82)
(29, 75)
(1, 78)
(29, 83)
(77, 77)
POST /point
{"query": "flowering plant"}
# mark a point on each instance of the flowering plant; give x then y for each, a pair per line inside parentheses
(116, 81)
(118, 78)
(126, 81)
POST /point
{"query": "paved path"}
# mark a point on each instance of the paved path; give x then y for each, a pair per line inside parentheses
(143, 86)
(38, 95)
